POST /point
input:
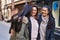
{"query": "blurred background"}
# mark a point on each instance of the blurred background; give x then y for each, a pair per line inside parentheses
(6, 7)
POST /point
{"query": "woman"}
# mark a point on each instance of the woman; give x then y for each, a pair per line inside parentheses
(14, 23)
(19, 23)
(47, 24)
(33, 24)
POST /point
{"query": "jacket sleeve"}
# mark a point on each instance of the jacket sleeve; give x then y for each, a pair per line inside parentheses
(25, 20)
(52, 31)
(12, 24)
(26, 32)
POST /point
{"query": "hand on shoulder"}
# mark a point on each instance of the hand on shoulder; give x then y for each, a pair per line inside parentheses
(25, 20)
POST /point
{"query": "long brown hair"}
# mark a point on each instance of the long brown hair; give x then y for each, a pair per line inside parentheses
(36, 16)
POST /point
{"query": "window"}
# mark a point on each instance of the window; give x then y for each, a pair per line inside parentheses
(56, 13)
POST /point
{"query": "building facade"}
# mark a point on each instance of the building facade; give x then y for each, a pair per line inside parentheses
(6, 7)
(0, 11)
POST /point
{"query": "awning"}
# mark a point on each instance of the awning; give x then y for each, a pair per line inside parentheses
(17, 2)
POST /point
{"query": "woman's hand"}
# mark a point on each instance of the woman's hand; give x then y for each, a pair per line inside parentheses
(25, 19)
(12, 32)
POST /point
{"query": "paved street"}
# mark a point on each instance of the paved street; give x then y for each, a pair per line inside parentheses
(4, 30)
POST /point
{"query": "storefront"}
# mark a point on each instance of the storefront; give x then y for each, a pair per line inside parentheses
(56, 13)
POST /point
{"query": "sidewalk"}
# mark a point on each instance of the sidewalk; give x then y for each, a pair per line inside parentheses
(4, 30)
(57, 33)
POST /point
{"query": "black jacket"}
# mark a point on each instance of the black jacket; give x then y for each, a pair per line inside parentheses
(49, 30)
(15, 24)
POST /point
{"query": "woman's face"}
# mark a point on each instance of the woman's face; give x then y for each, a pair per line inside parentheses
(34, 11)
(45, 11)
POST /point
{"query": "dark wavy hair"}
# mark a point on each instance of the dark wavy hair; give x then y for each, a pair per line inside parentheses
(49, 9)
(50, 22)
(36, 16)
(27, 10)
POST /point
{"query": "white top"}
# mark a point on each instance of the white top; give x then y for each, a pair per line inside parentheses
(43, 26)
(34, 30)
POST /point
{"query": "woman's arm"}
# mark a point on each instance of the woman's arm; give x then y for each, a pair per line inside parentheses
(12, 25)
(53, 29)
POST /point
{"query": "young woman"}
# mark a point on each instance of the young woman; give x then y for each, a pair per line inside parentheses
(14, 23)
(47, 24)
(33, 24)
(19, 30)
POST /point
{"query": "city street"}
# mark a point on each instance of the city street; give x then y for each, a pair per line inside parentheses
(4, 30)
